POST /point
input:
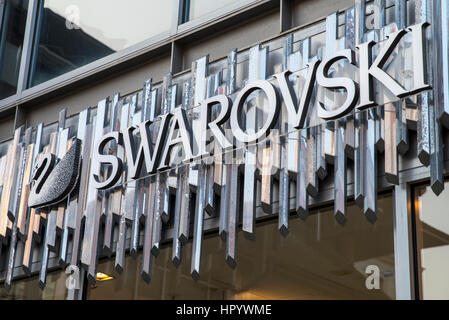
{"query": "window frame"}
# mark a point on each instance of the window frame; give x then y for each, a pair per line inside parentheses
(152, 47)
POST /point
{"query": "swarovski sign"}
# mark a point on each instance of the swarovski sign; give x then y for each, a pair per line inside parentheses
(174, 128)
(256, 134)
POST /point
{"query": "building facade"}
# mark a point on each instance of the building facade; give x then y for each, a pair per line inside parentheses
(253, 149)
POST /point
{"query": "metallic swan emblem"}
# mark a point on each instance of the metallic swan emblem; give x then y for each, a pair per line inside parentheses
(53, 183)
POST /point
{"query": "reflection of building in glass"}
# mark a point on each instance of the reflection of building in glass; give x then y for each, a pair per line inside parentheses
(60, 49)
(12, 30)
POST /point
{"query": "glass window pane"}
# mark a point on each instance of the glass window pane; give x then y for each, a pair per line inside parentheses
(319, 259)
(71, 33)
(432, 235)
(199, 8)
(11, 44)
(28, 289)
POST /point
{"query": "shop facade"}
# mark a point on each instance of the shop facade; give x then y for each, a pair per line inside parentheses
(234, 150)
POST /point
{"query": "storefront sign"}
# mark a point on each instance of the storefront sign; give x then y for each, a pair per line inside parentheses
(356, 98)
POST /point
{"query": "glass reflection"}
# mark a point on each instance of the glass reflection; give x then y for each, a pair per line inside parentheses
(71, 34)
(318, 259)
(11, 44)
(199, 8)
(432, 235)
(28, 289)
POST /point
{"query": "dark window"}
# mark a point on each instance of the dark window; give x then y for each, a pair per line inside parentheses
(70, 34)
(12, 27)
(432, 242)
(193, 9)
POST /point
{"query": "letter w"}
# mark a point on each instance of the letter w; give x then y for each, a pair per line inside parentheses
(136, 157)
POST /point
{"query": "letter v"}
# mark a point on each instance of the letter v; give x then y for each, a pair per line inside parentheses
(297, 118)
(134, 158)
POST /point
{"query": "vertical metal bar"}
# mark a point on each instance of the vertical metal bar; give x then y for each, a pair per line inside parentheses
(302, 199)
(340, 176)
(436, 148)
(198, 225)
(401, 127)
(112, 197)
(328, 138)
(210, 165)
(391, 154)
(184, 219)
(127, 195)
(402, 250)
(23, 210)
(176, 246)
(13, 240)
(284, 192)
(86, 149)
(9, 182)
(147, 240)
(360, 120)
(257, 70)
(444, 71)
(225, 192)
(370, 172)
(25, 60)
(93, 212)
(233, 215)
(350, 42)
(32, 217)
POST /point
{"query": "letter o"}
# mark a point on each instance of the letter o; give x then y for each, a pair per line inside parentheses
(273, 113)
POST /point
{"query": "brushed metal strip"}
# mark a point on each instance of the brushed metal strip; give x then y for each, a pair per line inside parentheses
(443, 37)
(340, 176)
(9, 183)
(198, 225)
(93, 211)
(233, 216)
(23, 213)
(63, 216)
(86, 149)
(302, 199)
(257, 70)
(391, 154)
(176, 246)
(147, 240)
(370, 199)
(284, 191)
(209, 183)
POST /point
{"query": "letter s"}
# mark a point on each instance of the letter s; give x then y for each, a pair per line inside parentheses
(115, 162)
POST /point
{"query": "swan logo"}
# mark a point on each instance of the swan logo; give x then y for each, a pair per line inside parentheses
(54, 180)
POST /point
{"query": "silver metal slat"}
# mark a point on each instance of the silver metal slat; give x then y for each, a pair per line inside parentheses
(328, 137)
(198, 224)
(370, 172)
(443, 33)
(360, 118)
(86, 149)
(257, 70)
(401, 121)
(147, 240)
(302, 198)
(184, 205)
(112, 196)
(437, 116)
(176, 246)
(209, 206)
(340, 176)
(227, 155)
(233, 216)
(93, 211)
